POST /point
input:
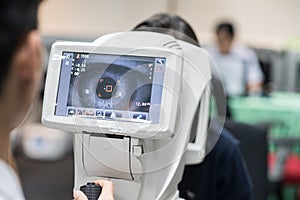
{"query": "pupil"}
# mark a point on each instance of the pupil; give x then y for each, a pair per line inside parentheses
(105, 88)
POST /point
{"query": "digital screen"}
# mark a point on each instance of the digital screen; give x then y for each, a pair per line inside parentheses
(111, 87)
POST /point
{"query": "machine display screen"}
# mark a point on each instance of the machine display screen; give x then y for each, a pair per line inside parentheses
(110, 87)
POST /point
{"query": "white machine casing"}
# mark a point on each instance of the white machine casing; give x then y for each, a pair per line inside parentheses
(144, 160)
(163, 129)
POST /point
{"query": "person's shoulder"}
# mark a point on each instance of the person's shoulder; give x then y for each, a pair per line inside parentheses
(221, 142)
(228, 139)
(219, 139)
(9, 184)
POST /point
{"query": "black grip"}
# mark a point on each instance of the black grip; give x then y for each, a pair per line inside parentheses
(91, 190)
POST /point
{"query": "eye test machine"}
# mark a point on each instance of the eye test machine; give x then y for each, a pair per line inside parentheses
(130, 98)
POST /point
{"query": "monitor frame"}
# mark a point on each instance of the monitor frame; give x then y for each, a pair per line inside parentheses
(169, 101)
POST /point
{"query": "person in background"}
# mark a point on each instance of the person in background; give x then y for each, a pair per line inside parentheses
(239, 66)
(223, 175)
(20, 75)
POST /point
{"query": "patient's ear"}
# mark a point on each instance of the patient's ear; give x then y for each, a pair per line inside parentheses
(24, 77)
(26, 74)
(27, 60)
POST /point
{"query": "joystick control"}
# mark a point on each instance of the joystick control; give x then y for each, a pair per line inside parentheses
(91, 190)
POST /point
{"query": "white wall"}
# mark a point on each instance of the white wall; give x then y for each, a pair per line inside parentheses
(91, 18)
(261, 22)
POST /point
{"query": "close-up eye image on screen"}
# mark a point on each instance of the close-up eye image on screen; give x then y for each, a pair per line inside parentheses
(105, 86)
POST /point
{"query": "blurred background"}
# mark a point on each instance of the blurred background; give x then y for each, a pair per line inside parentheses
(260, 23)
(268, 27)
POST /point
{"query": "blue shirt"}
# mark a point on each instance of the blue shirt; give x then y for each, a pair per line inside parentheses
(222, 176)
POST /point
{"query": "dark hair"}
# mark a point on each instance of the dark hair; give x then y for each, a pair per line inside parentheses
(169, 24)
(227, 27)
(17, 18)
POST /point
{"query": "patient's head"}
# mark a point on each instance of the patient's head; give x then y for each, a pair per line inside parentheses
(169, 24)
(20, 57)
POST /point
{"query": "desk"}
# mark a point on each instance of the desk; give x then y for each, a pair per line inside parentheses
(280, 110)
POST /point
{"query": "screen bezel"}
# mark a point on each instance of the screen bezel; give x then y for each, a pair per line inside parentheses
(169, 99)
